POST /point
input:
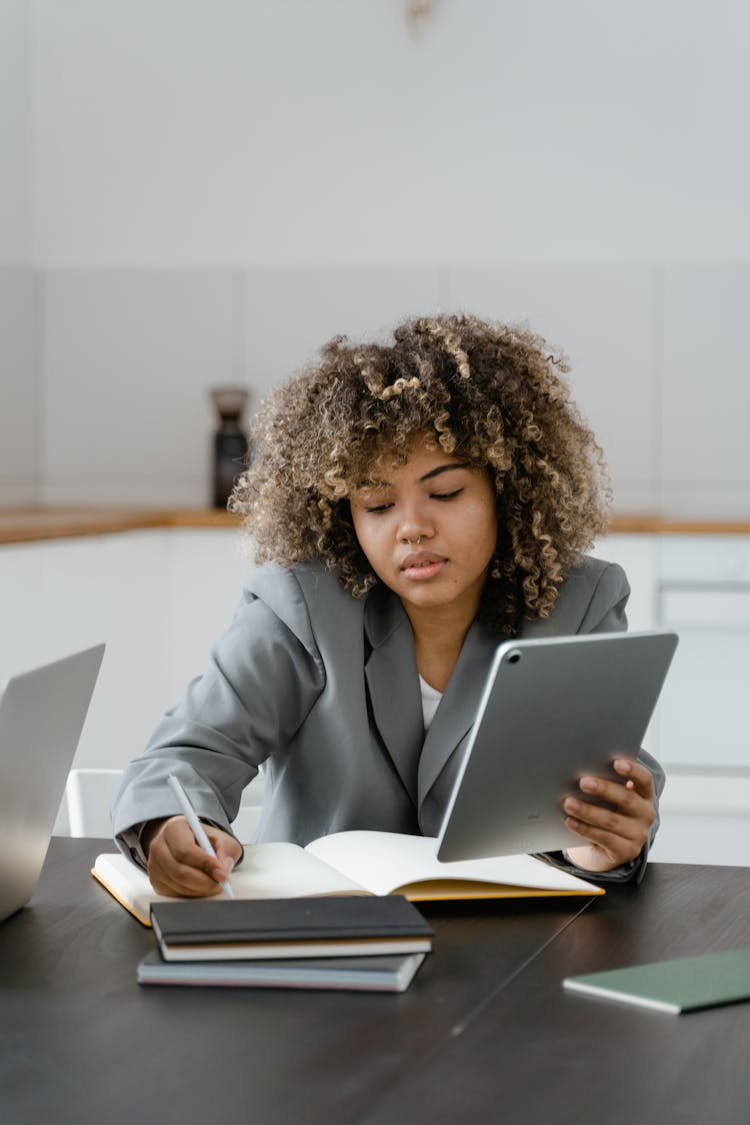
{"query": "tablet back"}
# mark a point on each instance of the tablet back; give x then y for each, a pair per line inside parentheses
(552, 710)
(41, 717)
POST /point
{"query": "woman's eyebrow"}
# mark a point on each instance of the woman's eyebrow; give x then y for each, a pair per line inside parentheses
(374, 485)
(444, 469)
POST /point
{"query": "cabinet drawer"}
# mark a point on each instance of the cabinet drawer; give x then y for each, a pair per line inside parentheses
(707, 608)
(704, 559)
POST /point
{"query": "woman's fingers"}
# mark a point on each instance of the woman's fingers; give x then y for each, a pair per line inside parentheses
(616, 830)
(641, 777)
(178, 866)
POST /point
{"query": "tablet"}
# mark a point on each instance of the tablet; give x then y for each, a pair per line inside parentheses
(552, 710)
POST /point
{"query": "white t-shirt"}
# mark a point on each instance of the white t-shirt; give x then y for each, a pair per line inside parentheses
(430, 700)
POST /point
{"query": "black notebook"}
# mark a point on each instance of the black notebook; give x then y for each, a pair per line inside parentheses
(332, 926)
(366, 974)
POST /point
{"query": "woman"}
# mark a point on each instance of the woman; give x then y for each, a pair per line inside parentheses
(413, 504)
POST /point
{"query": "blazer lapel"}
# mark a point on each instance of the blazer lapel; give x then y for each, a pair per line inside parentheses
(393, 684)
(458, 707)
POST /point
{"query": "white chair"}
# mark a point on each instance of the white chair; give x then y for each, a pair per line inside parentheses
(89, 794)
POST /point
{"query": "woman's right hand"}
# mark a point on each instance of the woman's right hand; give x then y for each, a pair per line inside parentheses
(177, 866)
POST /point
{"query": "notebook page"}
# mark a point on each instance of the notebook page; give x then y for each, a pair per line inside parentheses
(268, 871)
(385, 861)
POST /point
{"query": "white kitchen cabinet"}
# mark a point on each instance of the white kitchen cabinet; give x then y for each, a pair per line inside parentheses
(704, 594)
(705, 818)
(158, 598)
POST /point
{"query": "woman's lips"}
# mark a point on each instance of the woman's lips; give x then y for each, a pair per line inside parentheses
(422, 565)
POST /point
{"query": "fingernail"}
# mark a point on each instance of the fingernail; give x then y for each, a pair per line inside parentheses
(589, 784)
(573, 824)
(571, 805)
(623, 766)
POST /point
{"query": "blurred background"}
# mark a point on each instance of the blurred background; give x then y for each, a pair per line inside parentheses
(199, 193)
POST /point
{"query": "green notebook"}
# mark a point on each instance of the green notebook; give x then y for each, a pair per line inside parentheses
(682, 985)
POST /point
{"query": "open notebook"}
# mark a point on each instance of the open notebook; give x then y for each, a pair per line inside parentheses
(378, 863)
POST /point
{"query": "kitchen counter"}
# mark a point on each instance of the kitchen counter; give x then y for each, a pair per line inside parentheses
(22, 525)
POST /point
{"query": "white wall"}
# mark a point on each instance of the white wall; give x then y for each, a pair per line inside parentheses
(228, 132)
(18, 389)
(215, 187)
(15, 168)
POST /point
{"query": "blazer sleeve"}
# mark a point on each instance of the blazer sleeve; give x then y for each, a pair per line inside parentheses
(263, 677)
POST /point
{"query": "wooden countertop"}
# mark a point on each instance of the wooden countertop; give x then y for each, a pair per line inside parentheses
(22, 525)
(626, 523)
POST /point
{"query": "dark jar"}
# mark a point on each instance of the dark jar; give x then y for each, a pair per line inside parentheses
(230, 441)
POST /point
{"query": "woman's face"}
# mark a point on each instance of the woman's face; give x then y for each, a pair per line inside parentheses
(428, 529)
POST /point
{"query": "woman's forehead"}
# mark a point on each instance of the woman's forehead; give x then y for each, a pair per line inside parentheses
(422, 455)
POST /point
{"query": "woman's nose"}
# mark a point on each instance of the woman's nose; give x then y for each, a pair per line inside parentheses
(415, 525)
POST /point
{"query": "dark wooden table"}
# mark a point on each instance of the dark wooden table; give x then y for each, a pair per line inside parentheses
(484, 1034)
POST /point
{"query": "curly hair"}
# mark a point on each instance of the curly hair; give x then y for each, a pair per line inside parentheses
(493, 395)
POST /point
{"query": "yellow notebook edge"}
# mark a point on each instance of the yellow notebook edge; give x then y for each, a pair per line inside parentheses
(438, 891)
(428, 890)
(129, 906)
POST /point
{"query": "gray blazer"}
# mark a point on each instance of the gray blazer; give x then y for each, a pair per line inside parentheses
(323, 688)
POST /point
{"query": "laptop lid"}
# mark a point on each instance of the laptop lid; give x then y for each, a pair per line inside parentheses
(41, 717)
(552, 710)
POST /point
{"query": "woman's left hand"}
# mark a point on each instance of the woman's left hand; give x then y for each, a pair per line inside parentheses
(612, 836)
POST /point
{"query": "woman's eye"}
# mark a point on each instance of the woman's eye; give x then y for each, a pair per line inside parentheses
(447, 495)
(373, 509)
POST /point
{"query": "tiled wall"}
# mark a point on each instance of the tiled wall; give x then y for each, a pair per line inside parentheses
(126, 359)
(116, 409)
(19, 388)
(19, 447)
(705, 389)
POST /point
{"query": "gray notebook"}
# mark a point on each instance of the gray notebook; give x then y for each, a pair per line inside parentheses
(367, 974)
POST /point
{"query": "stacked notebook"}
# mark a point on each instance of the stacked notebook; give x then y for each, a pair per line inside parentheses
(335, 914)
(334, 942)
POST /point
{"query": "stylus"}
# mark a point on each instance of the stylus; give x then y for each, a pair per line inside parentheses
(200, 836)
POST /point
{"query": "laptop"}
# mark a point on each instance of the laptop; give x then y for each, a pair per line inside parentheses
(41, 717)
(552, 710)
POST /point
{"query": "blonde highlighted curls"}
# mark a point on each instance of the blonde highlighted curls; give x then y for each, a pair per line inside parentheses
(490, 393)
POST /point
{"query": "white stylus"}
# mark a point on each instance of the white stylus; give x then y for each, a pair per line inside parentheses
(197, 828)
